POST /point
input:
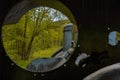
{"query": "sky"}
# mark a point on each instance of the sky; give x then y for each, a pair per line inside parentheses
(112, 38)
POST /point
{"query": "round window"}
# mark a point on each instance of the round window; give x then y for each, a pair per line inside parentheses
(113, 37)
(42, 40)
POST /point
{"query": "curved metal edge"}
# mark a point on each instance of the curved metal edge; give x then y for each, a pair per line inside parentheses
(104, 71)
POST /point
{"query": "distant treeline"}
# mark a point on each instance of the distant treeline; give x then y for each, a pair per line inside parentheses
(39, 29)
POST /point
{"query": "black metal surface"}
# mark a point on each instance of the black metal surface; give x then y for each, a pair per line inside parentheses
(111, 72)
(93, 17)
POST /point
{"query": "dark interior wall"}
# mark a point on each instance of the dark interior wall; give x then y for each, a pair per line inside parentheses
(93, 33)
(92, 38)
(93, 17)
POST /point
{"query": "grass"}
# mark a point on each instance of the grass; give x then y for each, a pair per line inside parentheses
(39, 54)
(45, 53)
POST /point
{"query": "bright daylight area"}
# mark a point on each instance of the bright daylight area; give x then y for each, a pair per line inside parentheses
(38, 34)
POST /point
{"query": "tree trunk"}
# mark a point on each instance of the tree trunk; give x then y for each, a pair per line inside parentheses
(24, 41)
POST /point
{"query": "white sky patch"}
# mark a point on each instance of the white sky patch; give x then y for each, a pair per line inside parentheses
(53, 13)
(112, 38)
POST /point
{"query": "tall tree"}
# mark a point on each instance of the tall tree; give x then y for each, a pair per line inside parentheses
(36, 30)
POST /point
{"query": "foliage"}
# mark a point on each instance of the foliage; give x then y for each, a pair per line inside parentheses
(39, 31)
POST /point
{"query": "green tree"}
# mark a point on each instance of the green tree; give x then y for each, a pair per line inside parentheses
(39, 29)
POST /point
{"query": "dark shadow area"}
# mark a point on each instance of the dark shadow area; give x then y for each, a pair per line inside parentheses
(95, 16)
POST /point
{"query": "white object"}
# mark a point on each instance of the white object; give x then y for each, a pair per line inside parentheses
(80, 57)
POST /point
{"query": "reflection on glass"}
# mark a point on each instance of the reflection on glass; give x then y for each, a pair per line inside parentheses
(40, 41)
(114, 37)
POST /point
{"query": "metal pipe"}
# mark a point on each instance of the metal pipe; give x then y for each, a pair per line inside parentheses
(67, 37)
